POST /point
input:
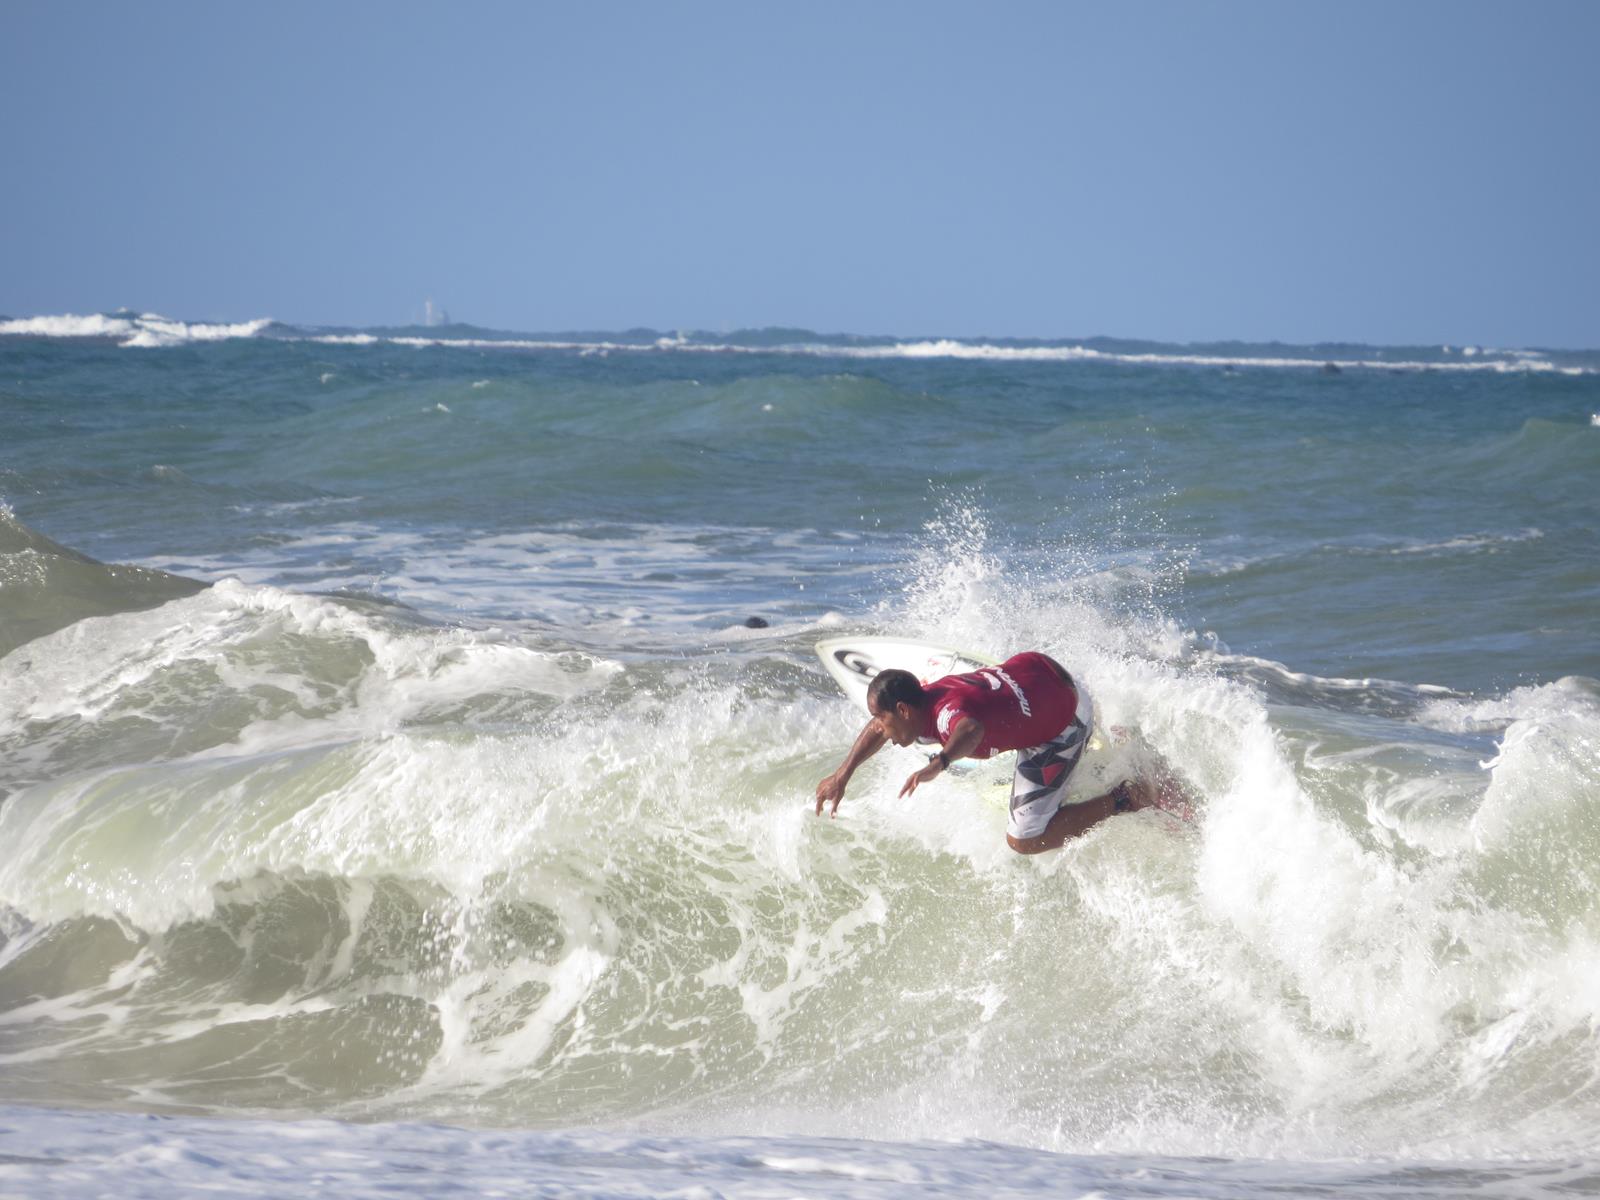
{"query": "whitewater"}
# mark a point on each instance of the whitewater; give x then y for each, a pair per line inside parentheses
(408, 739)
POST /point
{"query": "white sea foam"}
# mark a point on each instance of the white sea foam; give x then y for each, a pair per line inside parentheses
(154, 332)
(121, 667)
(145, 330)
(1570, 695)
(79, 1155)
(952, 348)
(1216, 563)
(684, 578)
(1466, 541)
(150, 330)
(1322, 683)
(614, 904)
(69, 325)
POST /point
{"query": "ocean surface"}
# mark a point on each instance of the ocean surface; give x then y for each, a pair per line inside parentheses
(408, 740)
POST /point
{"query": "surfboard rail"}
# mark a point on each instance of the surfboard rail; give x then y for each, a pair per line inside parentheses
(852, 662)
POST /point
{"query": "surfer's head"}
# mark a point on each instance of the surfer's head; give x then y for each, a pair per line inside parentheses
(897, 700)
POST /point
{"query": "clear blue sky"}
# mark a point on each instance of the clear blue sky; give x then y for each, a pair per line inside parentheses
(1384, 172)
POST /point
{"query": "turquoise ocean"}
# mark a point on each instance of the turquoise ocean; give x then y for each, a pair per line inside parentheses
(408, 739)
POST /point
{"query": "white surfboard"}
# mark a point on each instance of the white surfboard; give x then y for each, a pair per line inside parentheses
(854, 661)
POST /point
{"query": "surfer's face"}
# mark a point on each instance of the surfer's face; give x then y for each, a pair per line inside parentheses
(898, 723)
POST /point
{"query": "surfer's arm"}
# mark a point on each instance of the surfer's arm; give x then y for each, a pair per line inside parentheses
(868, 742)
(965, 737)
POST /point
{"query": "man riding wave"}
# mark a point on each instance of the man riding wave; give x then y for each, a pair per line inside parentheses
(1028, 703)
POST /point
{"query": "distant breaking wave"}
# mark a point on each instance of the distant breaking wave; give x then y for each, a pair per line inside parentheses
(977, 351)
(144, 330)
(152, 331)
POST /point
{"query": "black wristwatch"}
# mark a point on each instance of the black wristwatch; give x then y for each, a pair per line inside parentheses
(942, 759)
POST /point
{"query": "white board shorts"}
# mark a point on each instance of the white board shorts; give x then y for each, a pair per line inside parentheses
(1040, 783)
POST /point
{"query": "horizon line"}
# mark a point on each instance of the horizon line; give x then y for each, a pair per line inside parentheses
(81, 326)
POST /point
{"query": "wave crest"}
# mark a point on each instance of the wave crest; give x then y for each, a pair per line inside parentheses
(143, 330)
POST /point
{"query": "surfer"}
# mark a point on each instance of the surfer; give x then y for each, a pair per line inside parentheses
(1029, 704)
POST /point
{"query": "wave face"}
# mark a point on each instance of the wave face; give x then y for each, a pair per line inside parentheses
(421, 761)
(47, 586)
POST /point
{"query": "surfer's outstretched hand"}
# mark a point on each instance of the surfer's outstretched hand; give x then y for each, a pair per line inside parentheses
(830, 791)
(927, 775)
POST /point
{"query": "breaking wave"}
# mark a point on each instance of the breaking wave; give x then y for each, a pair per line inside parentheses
(141, 330)
(271, 851)
(148, 330)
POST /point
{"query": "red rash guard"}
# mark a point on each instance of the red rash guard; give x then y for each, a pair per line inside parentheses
(1020, 703)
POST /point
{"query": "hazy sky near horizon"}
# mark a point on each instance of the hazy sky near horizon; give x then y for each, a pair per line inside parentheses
(1381, 172)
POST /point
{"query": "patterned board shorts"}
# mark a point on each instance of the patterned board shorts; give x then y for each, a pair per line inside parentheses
(1040, 783)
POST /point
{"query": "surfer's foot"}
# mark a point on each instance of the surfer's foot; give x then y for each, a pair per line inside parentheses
(1169, 795)
(1131, 795)
(1163, 793)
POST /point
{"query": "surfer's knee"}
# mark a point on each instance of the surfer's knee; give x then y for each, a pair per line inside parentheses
(1033, 845)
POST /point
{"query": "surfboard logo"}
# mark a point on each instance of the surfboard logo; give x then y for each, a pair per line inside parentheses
(856, 662)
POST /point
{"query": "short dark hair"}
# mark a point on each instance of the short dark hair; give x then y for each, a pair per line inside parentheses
(892, 687)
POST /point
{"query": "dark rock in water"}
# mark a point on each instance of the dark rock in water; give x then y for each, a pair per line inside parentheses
(1332, 369)
(754, 623)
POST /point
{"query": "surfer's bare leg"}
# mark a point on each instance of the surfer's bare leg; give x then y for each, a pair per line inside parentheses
(1070, 821)
(1161, 790)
